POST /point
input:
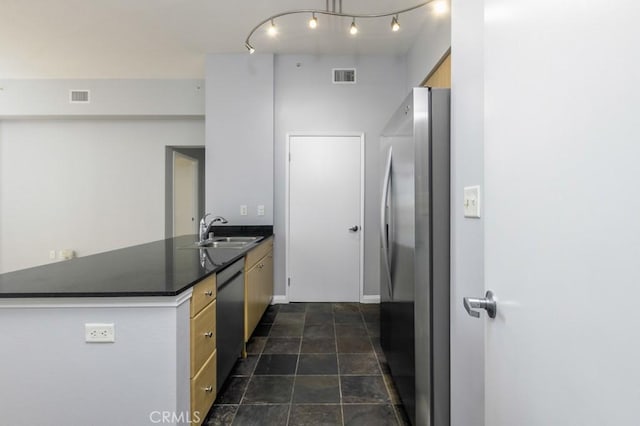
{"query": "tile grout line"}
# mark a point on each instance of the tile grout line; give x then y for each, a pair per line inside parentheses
(335, 335)
(384, 381)
(251, 375)
(295, 373)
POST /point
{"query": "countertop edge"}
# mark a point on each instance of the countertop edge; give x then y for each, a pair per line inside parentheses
(133, 294)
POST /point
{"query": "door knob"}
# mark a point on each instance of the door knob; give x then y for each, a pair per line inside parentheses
(487, 303)
(354, 228)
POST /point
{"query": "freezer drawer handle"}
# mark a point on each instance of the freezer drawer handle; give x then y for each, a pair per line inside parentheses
(488, 303)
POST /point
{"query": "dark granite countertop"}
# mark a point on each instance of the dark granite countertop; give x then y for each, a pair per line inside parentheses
(159, 268)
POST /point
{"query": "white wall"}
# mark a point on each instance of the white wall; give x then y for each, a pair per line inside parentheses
(467, 235)
(51, 376)
(306, 100)
(108, 97)
(87, 185)
(429, 47)
(239, 133)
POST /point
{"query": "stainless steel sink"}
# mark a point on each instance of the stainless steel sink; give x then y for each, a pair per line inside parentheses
(225, 242)
(236, 239)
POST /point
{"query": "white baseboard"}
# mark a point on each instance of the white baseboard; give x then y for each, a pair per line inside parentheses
(278, 299)
(370, 298)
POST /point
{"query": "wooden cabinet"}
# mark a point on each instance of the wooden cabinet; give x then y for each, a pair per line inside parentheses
(203, 348)
(258, 285)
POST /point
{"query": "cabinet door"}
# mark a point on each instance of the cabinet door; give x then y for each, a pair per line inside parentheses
(266, 284)
(252, 300)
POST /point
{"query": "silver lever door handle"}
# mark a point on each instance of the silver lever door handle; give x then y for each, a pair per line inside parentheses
(354, 228)
(488, 303)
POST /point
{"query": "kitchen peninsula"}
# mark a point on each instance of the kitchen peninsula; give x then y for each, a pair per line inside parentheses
(162, 301)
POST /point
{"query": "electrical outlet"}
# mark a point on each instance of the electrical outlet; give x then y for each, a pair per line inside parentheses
(52, 254)
(261, 210)
(243, 210)
(99, 333)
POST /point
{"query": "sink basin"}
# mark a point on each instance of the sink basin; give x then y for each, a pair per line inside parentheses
(236, 239)
(228, 244)
(225, 242)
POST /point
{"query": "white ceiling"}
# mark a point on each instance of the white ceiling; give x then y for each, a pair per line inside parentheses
(170, 38)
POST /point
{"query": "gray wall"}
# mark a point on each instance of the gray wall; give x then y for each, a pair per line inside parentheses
(467, 235)
(306, 100)
(239, 134)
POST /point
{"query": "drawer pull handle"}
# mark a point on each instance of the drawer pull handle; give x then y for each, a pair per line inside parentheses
(208, 389)
(208, 334)
(208, 293)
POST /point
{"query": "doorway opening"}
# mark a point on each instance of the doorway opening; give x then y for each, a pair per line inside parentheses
(184, 189)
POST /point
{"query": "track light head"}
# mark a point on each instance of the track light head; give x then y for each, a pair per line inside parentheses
(250, 48)
(440, 7)
(273, 30)
(353, 30)
(395, 25)
(313, 22)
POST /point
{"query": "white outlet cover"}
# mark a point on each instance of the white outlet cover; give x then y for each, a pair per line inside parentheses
(244, 210)
(472, 201)
(261, 210)
(99, 333)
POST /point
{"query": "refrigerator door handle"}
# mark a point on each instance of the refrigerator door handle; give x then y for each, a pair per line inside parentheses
(383, 222)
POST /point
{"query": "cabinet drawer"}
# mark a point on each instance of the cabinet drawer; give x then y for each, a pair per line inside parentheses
(203, 389)
(203, 337)
(203, 293)
(259, 252)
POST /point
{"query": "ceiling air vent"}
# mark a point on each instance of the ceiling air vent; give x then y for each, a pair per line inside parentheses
(344, 76)
(79, 96)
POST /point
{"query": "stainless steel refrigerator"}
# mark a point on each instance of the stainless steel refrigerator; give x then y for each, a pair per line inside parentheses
(414, 288)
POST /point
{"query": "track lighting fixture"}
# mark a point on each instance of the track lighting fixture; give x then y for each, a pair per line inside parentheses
(353, 30)
(395, 26)
(439, 7)
(313, 22)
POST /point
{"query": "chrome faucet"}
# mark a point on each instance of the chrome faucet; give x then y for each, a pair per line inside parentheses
(205, 227)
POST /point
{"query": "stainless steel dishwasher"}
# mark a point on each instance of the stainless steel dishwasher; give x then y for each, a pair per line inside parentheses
(229, 318)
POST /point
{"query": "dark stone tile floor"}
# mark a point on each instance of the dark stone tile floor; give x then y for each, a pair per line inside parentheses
(312, 364)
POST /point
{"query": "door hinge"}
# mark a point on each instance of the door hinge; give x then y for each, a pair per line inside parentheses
(288, 282)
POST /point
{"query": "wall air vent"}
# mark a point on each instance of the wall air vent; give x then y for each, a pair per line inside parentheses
(344, 75)
(79, 96)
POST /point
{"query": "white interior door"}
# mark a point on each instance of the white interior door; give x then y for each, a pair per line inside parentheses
(562, 232)
(185, 194)
(325, 218)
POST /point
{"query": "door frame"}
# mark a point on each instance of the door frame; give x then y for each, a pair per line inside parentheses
(194, 151)
(195, 186)
(290, 135)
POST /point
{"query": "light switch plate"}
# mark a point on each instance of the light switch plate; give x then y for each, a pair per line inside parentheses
(472, 201)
